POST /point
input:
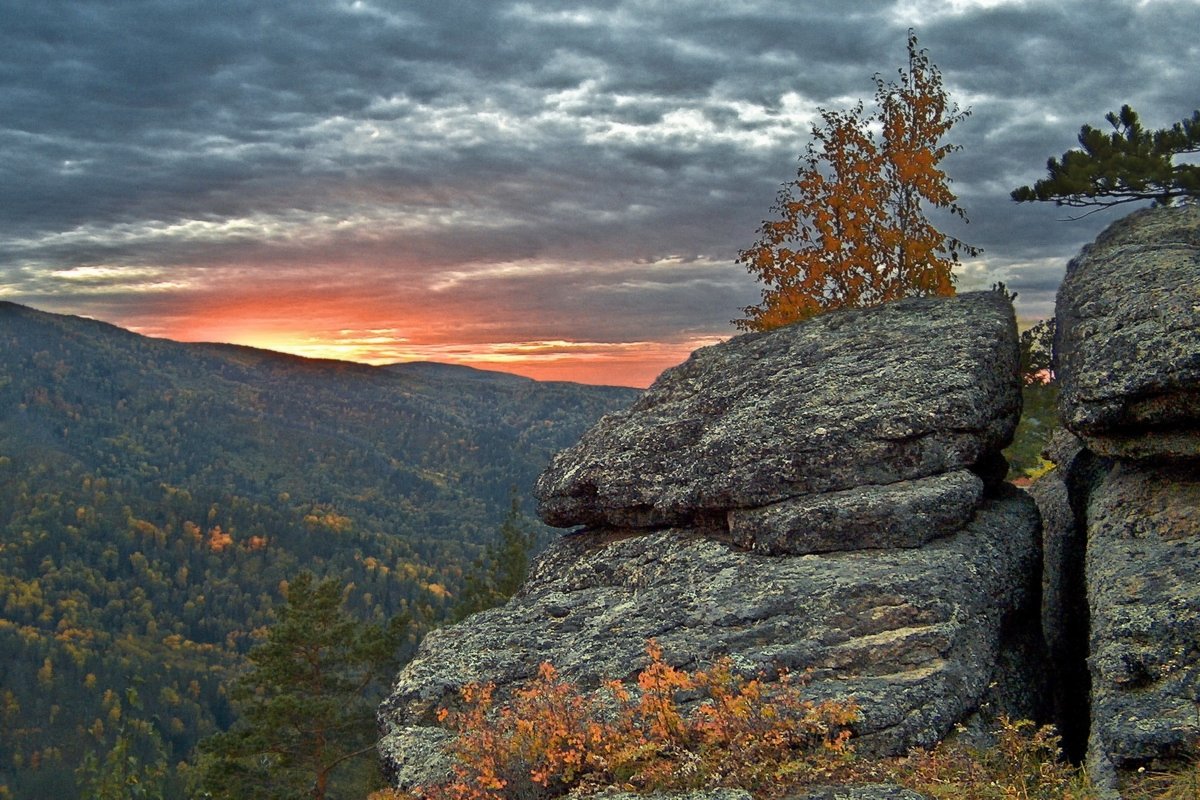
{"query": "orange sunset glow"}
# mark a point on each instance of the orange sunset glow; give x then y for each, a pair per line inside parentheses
(351, 329)
(558, 194)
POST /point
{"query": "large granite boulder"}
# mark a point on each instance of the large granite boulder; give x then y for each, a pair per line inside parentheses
(1143, 567)
(855, 398)
(1128, 338)
(1128, 361)
(823, 497)
(914, 634)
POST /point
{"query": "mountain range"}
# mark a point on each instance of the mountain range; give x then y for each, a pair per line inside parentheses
(155, 497)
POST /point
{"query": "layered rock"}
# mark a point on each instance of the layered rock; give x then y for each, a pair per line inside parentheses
(1128, 359)
(857, 398)
(1128, 339)
(1143, 565)
(910, 633)
(821, 497)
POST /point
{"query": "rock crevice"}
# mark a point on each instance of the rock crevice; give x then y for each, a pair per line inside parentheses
(1122, 509)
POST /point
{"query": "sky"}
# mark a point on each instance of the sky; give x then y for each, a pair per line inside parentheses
(558, 189)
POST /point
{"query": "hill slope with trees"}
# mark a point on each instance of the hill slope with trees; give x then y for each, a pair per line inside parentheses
(155, 495)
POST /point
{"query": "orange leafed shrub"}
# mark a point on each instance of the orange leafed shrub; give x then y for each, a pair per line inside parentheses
(553, 738)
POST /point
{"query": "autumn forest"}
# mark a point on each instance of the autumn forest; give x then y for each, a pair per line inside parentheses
(155, 498)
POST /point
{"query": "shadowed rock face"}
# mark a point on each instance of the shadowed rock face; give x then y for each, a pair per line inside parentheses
(1128, 340)
(1144, 570)
(850, 399)
(1128, 361)
(819, 498)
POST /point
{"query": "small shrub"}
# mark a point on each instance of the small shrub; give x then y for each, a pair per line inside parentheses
(1178, 781)
(1024, 764)
(745, 733)
(552, 738)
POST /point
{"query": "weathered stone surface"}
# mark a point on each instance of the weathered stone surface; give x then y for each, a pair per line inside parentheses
(905, 514)
(1128, 342)
(912, 634)
(1143, 574)
(859, 397)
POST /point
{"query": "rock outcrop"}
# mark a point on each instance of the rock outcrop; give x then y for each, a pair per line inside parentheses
(1128, 360)
(1143, 568)
(859, 398)
(820, 497)
(1127, 347)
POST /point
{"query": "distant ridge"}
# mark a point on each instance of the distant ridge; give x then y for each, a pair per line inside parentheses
(422, 368)
(156, 496)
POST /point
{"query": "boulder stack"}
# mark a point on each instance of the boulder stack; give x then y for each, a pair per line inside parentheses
(1128, 358)
(827, 496)
(1127, 348)
(865, 399)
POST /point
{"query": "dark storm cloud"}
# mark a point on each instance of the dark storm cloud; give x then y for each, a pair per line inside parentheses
(591, 166)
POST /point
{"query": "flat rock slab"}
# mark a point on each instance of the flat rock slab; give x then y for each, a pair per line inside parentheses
(913, 635)
(1143, 574)
(858, 397)
(1128, 342)
(905, 514)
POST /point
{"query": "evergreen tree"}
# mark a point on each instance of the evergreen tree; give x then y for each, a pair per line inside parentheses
(307, 703)
(1127, 165)
(852, 229)
(499, 573)
(134, 768)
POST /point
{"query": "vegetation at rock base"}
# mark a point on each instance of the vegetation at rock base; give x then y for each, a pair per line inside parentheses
(852, 230)
(1126, 165)
(553, 738)
(680, 731)
(307, 704)
(1024, 763)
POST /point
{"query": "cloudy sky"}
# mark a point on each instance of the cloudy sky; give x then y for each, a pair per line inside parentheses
(549, 187)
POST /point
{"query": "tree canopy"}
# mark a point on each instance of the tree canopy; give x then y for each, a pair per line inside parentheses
(852, 229)
(1125, 165)
(307, 704)
(500, 571)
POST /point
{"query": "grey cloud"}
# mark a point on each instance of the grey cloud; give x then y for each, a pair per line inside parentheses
(409, 140)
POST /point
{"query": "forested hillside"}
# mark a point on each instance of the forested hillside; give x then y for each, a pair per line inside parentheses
(154, 497)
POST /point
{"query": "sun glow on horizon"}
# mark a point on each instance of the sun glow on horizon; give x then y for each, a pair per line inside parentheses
(351, 320)
(634, 364)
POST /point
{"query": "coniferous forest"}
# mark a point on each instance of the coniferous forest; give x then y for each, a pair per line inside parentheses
(156, 497)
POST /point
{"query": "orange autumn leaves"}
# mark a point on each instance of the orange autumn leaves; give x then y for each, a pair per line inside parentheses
(552, 738)
(852, 229)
